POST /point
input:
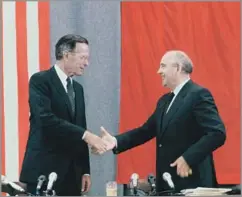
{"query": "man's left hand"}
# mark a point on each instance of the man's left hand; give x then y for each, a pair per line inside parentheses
(86, 183)
(183, 169)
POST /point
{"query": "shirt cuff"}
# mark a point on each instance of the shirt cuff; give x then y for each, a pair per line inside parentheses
(116, 142)
(84, 135)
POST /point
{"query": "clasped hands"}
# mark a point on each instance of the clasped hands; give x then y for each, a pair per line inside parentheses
(102, 144)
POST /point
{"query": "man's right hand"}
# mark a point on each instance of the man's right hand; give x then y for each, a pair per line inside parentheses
(95, 141)
(109, 139)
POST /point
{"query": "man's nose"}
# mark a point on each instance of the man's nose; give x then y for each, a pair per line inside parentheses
(159, 71)
(86, 63)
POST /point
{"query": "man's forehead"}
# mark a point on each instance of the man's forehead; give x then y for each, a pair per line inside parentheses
(167, 59)
(81, 47)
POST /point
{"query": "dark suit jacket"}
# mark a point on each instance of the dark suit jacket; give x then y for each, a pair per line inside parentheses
(192, 129)
(55, 139)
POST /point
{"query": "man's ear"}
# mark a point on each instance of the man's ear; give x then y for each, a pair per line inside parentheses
(179, 68)
(65, 55)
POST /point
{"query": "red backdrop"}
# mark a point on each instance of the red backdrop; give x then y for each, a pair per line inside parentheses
(209, 33)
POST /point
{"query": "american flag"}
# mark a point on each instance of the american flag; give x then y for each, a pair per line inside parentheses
(26, 50)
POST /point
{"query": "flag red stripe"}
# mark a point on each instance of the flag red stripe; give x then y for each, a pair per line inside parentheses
(22, 70)
(44, 35)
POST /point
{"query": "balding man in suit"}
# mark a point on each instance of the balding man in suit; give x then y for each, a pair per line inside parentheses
(186, 124)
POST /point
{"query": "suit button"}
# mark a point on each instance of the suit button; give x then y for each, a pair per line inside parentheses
(160, 145)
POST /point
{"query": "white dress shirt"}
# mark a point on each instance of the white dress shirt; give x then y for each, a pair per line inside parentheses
(62, 76)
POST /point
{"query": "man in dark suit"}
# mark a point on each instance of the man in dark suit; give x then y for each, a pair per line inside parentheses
(187, 127)
(58, 139)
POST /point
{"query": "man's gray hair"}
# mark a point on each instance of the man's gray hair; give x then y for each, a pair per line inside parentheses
(67, 43)
(182, 59)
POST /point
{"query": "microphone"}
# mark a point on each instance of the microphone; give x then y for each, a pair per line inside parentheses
(167, 178)
(134, 179)
(10, 187)
(41, 180)
(52, 179)
(134, 182)
(151, 180)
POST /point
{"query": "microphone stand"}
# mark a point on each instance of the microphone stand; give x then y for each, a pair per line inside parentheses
(49, 193)
(135, 191)
(152, 192)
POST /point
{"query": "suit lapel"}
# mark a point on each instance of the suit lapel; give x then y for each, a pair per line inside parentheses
(162, 107)
(176, 105)
(61, 90)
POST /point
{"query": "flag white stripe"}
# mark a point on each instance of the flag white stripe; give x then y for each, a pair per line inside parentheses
(10, 88)
(32, 37)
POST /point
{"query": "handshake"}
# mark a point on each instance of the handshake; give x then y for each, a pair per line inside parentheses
(102, 144)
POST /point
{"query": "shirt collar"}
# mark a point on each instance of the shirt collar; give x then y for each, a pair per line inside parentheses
(61, 74)
(179, 87)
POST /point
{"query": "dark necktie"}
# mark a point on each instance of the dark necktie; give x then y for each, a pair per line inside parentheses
(170, 97)
(71, 94)
(165, 115)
